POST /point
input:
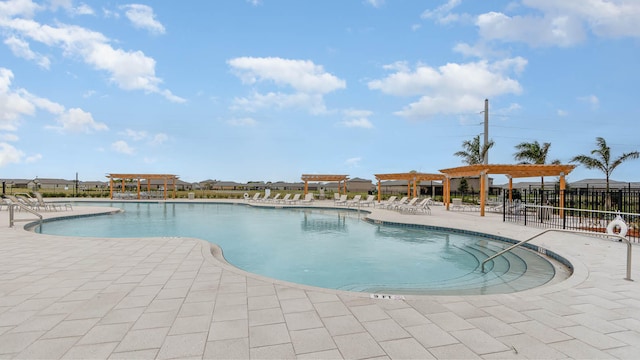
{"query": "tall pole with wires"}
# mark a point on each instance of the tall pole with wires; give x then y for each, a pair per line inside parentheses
(486, 131)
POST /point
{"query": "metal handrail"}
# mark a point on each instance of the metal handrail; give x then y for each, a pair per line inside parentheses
(572, 232)
(12, 219)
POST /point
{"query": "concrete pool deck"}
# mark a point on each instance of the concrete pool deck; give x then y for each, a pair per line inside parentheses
(169, 298)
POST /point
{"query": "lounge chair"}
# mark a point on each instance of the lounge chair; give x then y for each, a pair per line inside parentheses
(336, 197)
(393, 205)
(256, 197)
(409, 205)
(275, 198)
(414, 207)
(294, 200)
(265, 198)
(307, 198)
(384, 204)
(355, 201)
(342, 200)
(369, 201)
(284, 199)
(50, 206)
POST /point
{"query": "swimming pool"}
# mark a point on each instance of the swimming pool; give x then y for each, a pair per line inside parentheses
(326, 248)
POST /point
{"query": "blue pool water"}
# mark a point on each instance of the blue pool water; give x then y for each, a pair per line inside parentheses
(326, 248)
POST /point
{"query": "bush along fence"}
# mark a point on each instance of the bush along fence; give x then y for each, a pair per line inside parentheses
(603, 212)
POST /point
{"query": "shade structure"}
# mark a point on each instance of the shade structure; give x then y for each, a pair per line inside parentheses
(411, 178)
(511, 171)
(340, 179)
(138, 177)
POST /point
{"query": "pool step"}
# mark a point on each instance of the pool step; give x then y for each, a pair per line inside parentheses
(516, 270)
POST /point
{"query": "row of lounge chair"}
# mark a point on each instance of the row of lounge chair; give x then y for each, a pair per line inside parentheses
(404, 205)
(356, 201)
(36, 204)
(288, 199)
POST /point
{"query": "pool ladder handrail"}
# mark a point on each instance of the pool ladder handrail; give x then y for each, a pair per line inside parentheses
(622, 238)
(12, 218)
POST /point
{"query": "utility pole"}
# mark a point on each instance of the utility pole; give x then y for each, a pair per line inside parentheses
(486, 130)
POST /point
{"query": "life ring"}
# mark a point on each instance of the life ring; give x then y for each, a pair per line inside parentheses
(246, 196)
(617, 223)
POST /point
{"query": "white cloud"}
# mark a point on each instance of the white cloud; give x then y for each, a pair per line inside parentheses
(375, 3)
(33, 158)
(255, 2)
(357, 118)
(9, 155)
(130, 70)
(247, 121)
(67, 5)
(592, 100)
(13, 105)
(361, 123)
(122, 147)
(314, 103)
(135, 135)
(563, 23)
(159, 139)
(78, 121)
(353, 162)
(9, 137)
(444, 15)
(20, 48)
(452, 88)
(559, 30)
(302, 75)
(142, 17)
(25, 8)
(562, 112)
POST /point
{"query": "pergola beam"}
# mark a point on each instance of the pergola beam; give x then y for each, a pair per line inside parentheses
(341, 179)
(139, 177)
(410, 177)
(511, 171)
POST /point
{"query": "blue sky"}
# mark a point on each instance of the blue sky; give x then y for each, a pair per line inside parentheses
(271, 89)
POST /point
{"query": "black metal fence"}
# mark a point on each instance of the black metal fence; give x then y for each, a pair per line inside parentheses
(596, 211)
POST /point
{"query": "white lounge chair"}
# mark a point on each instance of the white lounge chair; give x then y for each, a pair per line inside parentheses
(285, 199)
(395, 204)
(384, 204)
(307, 198)
(355, 201)
(342, 200)
(294, 200)
(275, 198)
(256, 197)
(369, 201)
(409, 205)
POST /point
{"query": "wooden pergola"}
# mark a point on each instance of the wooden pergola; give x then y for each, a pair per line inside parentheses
(341, 179)
(148, 177)
(511, 171)
(411, 178)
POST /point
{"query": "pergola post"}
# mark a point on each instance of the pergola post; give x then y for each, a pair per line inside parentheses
(510, 188)
(306, 187)
(138, 188)
(446, 195)
(379, 191)
(110, 188)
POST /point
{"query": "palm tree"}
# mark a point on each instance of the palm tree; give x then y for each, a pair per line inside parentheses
(534, 153)
(602, 161)
(473, 152)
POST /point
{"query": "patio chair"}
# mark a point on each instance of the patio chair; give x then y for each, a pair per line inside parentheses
(256, 197)
(294, 200)
(369, 201)
(407, 206)
(395, 204)
(355, 201)
(284, 199)
(342, 200)
(50, 206)
(384, 204)
(307, 198)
